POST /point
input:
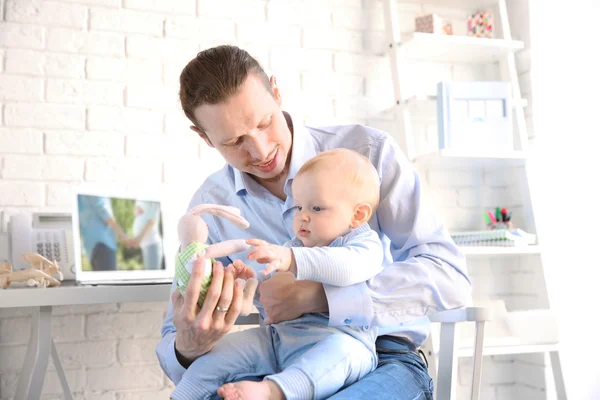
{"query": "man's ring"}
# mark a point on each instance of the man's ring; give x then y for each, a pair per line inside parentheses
(222, 309)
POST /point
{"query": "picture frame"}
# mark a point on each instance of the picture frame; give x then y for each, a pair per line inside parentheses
(475, 116)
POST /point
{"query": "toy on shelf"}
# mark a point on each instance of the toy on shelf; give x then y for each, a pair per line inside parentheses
(480, 25)
(193, 234)
(433, 23)
(44, 273)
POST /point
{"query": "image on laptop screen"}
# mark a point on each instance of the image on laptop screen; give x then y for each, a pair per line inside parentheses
(118, 238)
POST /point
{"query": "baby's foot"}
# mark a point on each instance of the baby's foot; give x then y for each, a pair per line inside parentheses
(248, 390)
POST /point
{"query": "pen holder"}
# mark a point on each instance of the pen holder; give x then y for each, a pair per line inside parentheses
(501, 225)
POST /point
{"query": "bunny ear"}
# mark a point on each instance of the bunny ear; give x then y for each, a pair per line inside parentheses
(231, 213)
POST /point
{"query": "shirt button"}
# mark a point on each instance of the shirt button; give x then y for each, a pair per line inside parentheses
(347, 321)
(365, 328)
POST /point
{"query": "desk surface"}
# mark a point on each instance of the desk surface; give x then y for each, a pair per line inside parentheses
(71, 293)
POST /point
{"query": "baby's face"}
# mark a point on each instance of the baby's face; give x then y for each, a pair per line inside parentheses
(323, 208)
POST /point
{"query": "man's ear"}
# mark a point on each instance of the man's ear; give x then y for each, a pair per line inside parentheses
(362, 214)
(275, 89)
(202, 135)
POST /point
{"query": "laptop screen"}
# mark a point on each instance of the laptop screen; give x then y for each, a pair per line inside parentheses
(118, 238)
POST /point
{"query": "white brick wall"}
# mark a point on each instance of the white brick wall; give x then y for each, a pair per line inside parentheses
(88, 94)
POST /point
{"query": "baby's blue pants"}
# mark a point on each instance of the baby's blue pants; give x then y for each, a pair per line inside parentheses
(308, 360)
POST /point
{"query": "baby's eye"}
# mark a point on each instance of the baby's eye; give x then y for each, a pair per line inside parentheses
(317, 209)
(298, 208)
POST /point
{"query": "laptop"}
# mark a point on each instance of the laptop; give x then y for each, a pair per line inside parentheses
(119, 239)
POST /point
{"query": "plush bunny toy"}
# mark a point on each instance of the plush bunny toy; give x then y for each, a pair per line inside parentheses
(193, 233)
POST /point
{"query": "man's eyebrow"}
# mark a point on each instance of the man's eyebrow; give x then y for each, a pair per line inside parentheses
(266, 119)
(229, 139)
(263, 121)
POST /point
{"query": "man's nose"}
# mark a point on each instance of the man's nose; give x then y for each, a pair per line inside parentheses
(259, 147)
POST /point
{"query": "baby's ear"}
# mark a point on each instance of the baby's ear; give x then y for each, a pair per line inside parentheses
(362, 214)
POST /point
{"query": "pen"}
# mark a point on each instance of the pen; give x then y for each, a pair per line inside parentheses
(487, 218)
(498, 215)
(503, 212)
(491, 217)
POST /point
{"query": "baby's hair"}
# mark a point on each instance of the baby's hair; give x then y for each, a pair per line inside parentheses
(354, 170)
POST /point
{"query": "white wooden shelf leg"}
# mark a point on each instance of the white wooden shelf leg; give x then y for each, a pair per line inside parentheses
(31, 380)
(61, 373)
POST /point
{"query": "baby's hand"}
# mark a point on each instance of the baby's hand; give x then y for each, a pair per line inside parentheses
(277, 258)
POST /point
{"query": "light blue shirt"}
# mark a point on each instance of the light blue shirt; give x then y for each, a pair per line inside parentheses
(424, 272)
(349, 259)
(94, 213)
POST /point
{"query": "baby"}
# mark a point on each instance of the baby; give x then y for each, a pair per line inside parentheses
(335, 194)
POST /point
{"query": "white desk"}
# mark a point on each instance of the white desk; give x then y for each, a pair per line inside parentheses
(41, 344)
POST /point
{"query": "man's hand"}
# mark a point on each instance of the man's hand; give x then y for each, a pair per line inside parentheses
(241, 270)
(199, 329)
(284, 298)
(277, 258)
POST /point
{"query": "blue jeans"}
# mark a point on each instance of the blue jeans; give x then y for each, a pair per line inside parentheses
(399, 376)
(103, 258)
(152, 256)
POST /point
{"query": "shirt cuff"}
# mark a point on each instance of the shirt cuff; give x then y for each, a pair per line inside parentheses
(175, 370)
(349, 305)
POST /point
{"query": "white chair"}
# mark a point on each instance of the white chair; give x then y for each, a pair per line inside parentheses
(444, 375)
(443, 372)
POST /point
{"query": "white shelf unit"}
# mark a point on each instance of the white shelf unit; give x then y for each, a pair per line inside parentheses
(529, 330)
(434, 48)
(455, 158)
(500, 251)
(508, 349)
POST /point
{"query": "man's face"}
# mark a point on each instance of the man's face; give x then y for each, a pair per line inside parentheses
(249, 130)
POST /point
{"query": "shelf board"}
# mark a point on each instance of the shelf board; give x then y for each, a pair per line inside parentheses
(469, 159)
(466, 4)
(497, 250)
(428, 97)
(517, 348)
(457, 49)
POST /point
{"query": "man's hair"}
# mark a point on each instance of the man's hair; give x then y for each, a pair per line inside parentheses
(352, 169)
(214, 75)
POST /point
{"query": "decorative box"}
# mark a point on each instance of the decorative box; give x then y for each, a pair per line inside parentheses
(433, 23)
(480, 24)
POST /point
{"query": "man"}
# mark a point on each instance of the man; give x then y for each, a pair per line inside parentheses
(235, 108)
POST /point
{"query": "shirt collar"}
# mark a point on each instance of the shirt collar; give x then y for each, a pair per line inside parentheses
(303, 148)
(340, 240)
(241, 181)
